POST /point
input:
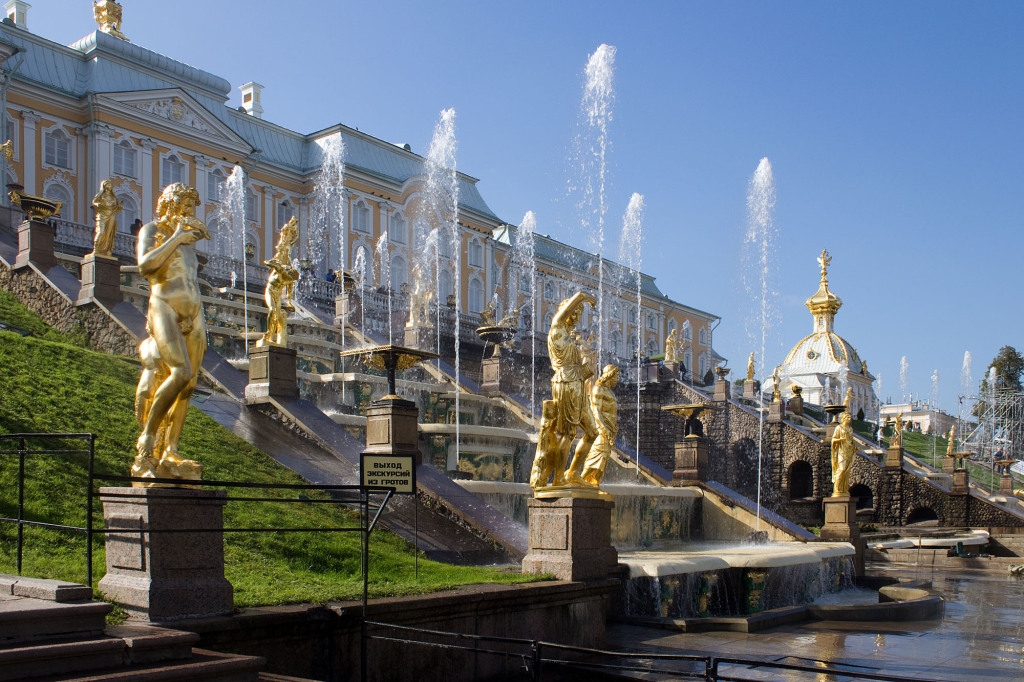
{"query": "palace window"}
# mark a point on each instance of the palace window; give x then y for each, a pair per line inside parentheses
(445, 287)
(550, 293)
(687, 331)
(58, 193)
(171, 170)
(651, 321)
(476, 295)
(124, 159)
(284, 213)
(360, 217)
(399, 232)
(58, 149)
(129, 213)
(399, 272)
(703, 336)
(476, 254)
(215, 184)
(252, 206)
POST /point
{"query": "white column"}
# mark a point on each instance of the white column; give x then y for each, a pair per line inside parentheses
(102, 152)
(270, 224)
(29, 150)
(147, 180)
(201, 186)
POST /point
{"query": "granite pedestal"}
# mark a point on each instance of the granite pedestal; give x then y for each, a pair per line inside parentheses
(1006, 484)
(751, 389)
(961, 482)
(497, 375)
(776, 411)
(392, 428)
(423, 338)
(35, 244)
(691, 461)
(101, 280)
(841, 526)
(570, 537)
(722, 390)
(272, 372)
(163, 576)
(894, 457)
(948, 464)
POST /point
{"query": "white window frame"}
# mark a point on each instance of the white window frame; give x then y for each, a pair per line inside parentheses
(125, 149)
(475, 254)
(476, 295)
(165, 164)
(398, 230)
(127, 196)
(360, 209)
(57, 132)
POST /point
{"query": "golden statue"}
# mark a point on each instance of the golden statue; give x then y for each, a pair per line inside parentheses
(7, 148)
(419, 300)
(606, 414)
(568, 410)
(843, 452)
(896, 441)
(107, 206)
(278, 294)
(487, 315)
(670, 347)
(849, 398)
(952, 440)
(173, 352)
(750, 368)
(108, 15)
(776, 385)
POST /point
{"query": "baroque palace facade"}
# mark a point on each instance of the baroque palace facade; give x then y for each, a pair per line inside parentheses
(104, 108)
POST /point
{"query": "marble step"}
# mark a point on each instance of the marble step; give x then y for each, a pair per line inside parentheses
(25, 620)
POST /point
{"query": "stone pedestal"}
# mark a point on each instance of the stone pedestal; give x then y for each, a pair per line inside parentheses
(723, 391)
(421, 338)
(751, 389)
(691, 461)
(841, 526)
(894, 457)
(776, 411)
(101, 280)
(271, 373)
(796, 404)
(496, 375)
(342, 306)
(948, 464)
(961, 483)
(166, 576)
(392, 429)
(1006, 485)
(570, 537)
(35, 244)
(670, 370)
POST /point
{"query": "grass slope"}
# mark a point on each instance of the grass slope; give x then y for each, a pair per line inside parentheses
(51, 385)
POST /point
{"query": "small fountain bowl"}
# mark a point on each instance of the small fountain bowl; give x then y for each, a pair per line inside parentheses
(37, 208)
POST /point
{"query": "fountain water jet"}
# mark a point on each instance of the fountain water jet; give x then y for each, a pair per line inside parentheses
(759, 247)
(327, 212)
(904, 377)
(630, 248)
(524, 262)
(384, 274)
(232, 214)
(592, 150)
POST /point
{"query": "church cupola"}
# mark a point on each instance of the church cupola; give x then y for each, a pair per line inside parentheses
(823, 304)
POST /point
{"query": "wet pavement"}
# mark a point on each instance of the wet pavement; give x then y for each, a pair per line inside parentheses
(979, 637)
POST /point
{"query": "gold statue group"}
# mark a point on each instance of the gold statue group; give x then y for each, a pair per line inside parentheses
(573, 407)
(173, 352)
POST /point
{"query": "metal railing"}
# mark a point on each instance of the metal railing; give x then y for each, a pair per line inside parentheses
(548, 660)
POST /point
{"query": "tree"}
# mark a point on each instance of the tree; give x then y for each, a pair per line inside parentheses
(1009, 366)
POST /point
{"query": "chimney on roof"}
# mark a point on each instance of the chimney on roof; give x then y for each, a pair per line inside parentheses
(251, 98)
(17, 11)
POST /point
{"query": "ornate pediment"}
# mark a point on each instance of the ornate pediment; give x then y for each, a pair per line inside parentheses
(173, 109)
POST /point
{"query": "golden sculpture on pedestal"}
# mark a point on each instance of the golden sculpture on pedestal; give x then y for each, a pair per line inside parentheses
(108, 15)
(606, 414)
(670, 347)
(280, 284)
(107, 206)
(569, 410)
(7, 148)
(420, 299)
(776, 385)
(750, 368)
(843, 451)
(952, 440)
(173, 352)
(896, 441)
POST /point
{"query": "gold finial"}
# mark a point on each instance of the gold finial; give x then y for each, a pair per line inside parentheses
(823, 260)
(107, 14)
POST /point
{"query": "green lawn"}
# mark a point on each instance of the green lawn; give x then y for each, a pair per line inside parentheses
(51, 384)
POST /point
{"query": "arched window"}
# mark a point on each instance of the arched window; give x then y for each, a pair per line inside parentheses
(652, 347)
(548, 319)
(444, 242)
(549, 291)
(703, 336)
(57, 148)
(252, 206)
(476, 253)
(616, 339)
(360, 217)
(399, 230)
(399, 272)
(687, 331)
(632, 346)
(688, 361)
(703, 366)
(215, 183)
(445, 285)
(171, 170)
(129, 213)
(476, 295)
(124, 159)
(59, 193)
(671, 326)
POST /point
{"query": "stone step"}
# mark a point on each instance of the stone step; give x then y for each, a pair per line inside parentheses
(203, 665)
(24, 620)
(122, 645)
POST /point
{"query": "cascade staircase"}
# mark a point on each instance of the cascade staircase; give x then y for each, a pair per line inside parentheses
(52, 630)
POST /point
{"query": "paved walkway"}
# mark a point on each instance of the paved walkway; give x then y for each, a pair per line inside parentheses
(980, 637)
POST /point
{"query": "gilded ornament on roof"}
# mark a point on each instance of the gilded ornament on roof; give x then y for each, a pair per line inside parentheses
(108, 15)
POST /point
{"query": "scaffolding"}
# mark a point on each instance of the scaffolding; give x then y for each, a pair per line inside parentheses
(999, 431)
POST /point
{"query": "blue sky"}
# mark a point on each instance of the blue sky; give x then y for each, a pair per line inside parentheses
(894, 131)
